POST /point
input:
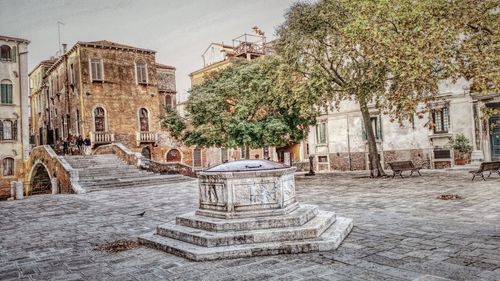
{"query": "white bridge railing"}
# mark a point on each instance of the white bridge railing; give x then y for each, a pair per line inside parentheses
(102, 137)
(149, 136)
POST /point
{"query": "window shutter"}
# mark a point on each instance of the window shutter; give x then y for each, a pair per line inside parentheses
(1, 130)
(3, 93)
(14, 130)
(9, 94)
(101, 69)
(13, 54)
(379, 127)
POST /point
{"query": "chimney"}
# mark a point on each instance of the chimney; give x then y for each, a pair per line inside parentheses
(65, 46)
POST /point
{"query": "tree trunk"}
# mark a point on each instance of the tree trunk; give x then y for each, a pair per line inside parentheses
(376, 169)
(247, 152)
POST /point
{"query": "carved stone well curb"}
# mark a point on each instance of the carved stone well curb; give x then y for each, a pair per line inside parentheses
(248, 208)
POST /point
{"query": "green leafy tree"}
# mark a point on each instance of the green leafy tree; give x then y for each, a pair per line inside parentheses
(388, 55)
(248, 104)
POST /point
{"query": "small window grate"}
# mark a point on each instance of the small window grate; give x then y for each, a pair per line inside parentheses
(442, 153)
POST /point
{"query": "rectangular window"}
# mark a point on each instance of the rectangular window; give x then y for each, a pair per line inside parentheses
(142, 77)
(168, 101)
(224, 155)
(71, 75)
(321, 133)
(6, 93)
(442, 153)
(322, 159)
(376, 127)
(441, 120)
(96, 70)
(266, 152)
(8, 130)
(8, 167)
(197, 157)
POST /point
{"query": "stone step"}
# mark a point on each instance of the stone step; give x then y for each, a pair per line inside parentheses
(93, 159)
(117, 183)
(130, 185)
(133, 181)
(93, 155)
(329, 240)
(105, 171)
(97, 165)
(296, 218)
(106, 178)
(310, 229)
(112, 172)
(120, 172)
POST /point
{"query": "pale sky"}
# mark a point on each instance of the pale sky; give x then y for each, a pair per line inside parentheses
(179, 30)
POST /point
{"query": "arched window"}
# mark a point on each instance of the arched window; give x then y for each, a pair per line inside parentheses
(143, 120)
(99, 119)
(6, 92)
(8, 166)
(5, 53)
(141, 72)
(173, 156)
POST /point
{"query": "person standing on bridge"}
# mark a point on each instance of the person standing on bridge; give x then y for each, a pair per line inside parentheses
(79, 144)
(65, 146)
(87, 144)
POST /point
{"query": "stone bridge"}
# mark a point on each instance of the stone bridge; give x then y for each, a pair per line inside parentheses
(52, 173)
(48, 169)
(136, 159)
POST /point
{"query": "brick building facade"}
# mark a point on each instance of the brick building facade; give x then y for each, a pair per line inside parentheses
(107, 91)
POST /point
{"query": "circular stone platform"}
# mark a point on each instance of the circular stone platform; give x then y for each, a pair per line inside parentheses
(248, 208)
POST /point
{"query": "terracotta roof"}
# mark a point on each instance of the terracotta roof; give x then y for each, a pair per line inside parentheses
(47, 63)
(159, 65)
(109, 44)
(8, 38)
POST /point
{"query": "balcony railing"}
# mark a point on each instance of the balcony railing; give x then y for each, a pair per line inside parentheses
(102, 137)
(144, 137)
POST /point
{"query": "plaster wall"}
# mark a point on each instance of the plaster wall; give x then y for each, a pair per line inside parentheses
(16, 73)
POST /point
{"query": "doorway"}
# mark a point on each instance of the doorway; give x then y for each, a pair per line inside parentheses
(495, 137)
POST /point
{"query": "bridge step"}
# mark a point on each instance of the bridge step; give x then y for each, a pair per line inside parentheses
(106, 171)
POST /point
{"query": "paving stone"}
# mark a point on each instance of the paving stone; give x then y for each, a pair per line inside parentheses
(401, 232)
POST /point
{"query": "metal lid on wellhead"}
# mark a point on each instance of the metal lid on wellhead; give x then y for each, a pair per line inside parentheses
(246, 166)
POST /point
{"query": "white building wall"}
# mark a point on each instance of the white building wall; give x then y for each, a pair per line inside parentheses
(399, 142)
(16, 72)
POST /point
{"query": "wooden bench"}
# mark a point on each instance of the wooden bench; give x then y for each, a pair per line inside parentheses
(485, 167)
(398, 167)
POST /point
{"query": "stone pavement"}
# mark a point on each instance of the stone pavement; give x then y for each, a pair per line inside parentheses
(401, 232)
